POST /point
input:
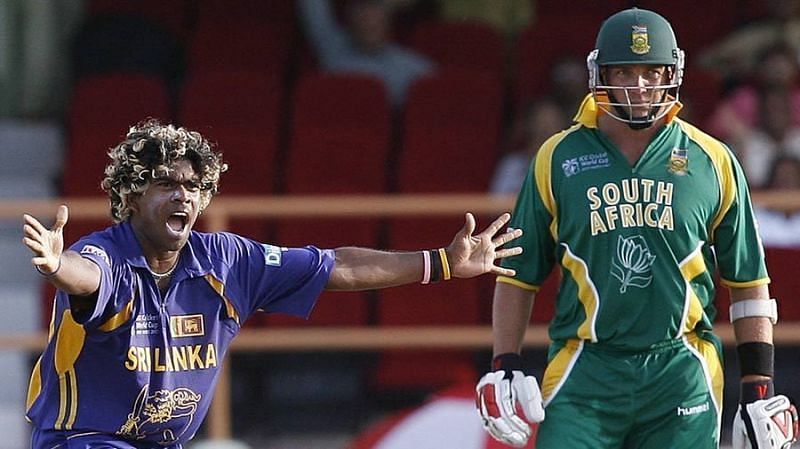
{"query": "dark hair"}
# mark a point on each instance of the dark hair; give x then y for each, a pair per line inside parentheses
(150, 146)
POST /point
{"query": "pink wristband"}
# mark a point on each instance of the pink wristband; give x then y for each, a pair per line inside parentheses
(426, 271)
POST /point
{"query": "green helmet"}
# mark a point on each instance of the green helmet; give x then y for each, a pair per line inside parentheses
(636, 36)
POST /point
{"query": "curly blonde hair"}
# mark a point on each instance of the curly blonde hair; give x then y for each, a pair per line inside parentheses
(150, 147)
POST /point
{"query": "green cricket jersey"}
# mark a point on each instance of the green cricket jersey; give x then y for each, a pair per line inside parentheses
(638, 245)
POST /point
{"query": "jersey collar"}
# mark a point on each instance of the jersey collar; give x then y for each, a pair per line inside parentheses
(588, 112)
(194, 259)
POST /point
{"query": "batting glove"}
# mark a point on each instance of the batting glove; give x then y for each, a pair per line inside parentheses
(497, 395)
(768, 423)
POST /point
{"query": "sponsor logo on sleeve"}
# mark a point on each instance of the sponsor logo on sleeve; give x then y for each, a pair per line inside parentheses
(273, 255)
(99, 252)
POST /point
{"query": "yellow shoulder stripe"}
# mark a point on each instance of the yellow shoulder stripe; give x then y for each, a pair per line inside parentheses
(543, 175)
(723, 164)
(219, 287)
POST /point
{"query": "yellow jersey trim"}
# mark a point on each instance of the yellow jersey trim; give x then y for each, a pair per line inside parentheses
(543, 175)
(587, 293)
(692, 266)
(712, 365)
(219, 287)
(723, 166)
(517, 283)
(588, 111)
(558, 369)
(69, 344)
(118, 319)
(755, 283)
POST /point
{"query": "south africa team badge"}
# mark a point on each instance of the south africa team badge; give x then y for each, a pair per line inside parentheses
(640, 44)
(678, 161)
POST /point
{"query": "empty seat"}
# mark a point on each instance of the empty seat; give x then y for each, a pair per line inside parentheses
(241, 112)
(102, 109)
(536, 55)
(340, 137)
(451, 133)
(229, 42)
(461, 45)
(449, 303)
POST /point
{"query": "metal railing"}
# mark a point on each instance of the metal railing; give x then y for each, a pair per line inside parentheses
(224, 209)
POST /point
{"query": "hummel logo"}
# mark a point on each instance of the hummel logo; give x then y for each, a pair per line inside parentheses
(687, 411)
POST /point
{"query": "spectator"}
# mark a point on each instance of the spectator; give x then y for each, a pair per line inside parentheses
(540, 120)
(779, 228)
(363, 46)
(775, 135)
(508, 17)
(740, 111)
(737, 54)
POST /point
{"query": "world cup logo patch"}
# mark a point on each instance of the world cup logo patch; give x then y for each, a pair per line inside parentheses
(640, 44)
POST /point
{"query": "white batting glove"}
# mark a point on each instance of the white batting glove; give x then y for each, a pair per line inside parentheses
(498, 394)
(766, 424)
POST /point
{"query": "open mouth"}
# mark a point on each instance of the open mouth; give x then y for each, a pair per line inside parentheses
(178, 222)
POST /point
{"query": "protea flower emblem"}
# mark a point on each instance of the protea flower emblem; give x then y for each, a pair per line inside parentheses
(632, 262)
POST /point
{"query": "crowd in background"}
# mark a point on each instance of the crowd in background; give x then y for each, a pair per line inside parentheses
(48, 46)
(742, 81)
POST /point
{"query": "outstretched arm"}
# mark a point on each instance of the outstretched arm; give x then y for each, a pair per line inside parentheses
(467, 256)
(66, 270)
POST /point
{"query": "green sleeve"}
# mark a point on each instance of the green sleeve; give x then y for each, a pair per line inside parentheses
(530, 214)
(738, 248)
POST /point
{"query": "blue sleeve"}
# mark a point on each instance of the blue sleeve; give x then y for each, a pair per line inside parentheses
(271, 278)
(116, 281)
(328, 39)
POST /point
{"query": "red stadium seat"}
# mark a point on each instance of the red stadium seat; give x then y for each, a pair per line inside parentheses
(243, 43)
(536, 54)
(695, 31)
(782, 266)
(340, 139)
(240, 111)
(444, 304)
(452, 128)
(102, 109)
(461, 45)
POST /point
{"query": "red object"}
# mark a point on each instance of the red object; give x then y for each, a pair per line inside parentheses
(451, 133)
(461, 45)
(340, 140)
(102, 109)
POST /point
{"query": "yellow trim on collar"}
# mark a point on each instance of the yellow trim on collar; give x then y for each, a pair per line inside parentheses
(588, 111)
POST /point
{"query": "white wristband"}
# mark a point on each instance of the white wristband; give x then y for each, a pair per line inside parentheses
(426, 267)
(755, 308)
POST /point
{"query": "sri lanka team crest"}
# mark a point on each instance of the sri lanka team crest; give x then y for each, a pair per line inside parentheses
(165, 414)
(639, 40)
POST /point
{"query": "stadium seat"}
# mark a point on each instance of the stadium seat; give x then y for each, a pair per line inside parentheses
(246, 43)
(444, 304)
(695, 31)
(102, 109)
(782, 266)
(451, 127)
(340, 138)
(241, 111)
(536, 55)
(461, 45)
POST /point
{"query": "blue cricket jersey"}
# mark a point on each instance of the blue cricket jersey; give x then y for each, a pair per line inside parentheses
(142, 366)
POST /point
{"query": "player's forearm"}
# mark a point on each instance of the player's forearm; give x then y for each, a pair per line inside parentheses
(367, 269)
(511, 311)
(752, 329)
(76, 275)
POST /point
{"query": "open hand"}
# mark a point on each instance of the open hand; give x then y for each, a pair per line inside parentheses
(46, 244)
(472, 255)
